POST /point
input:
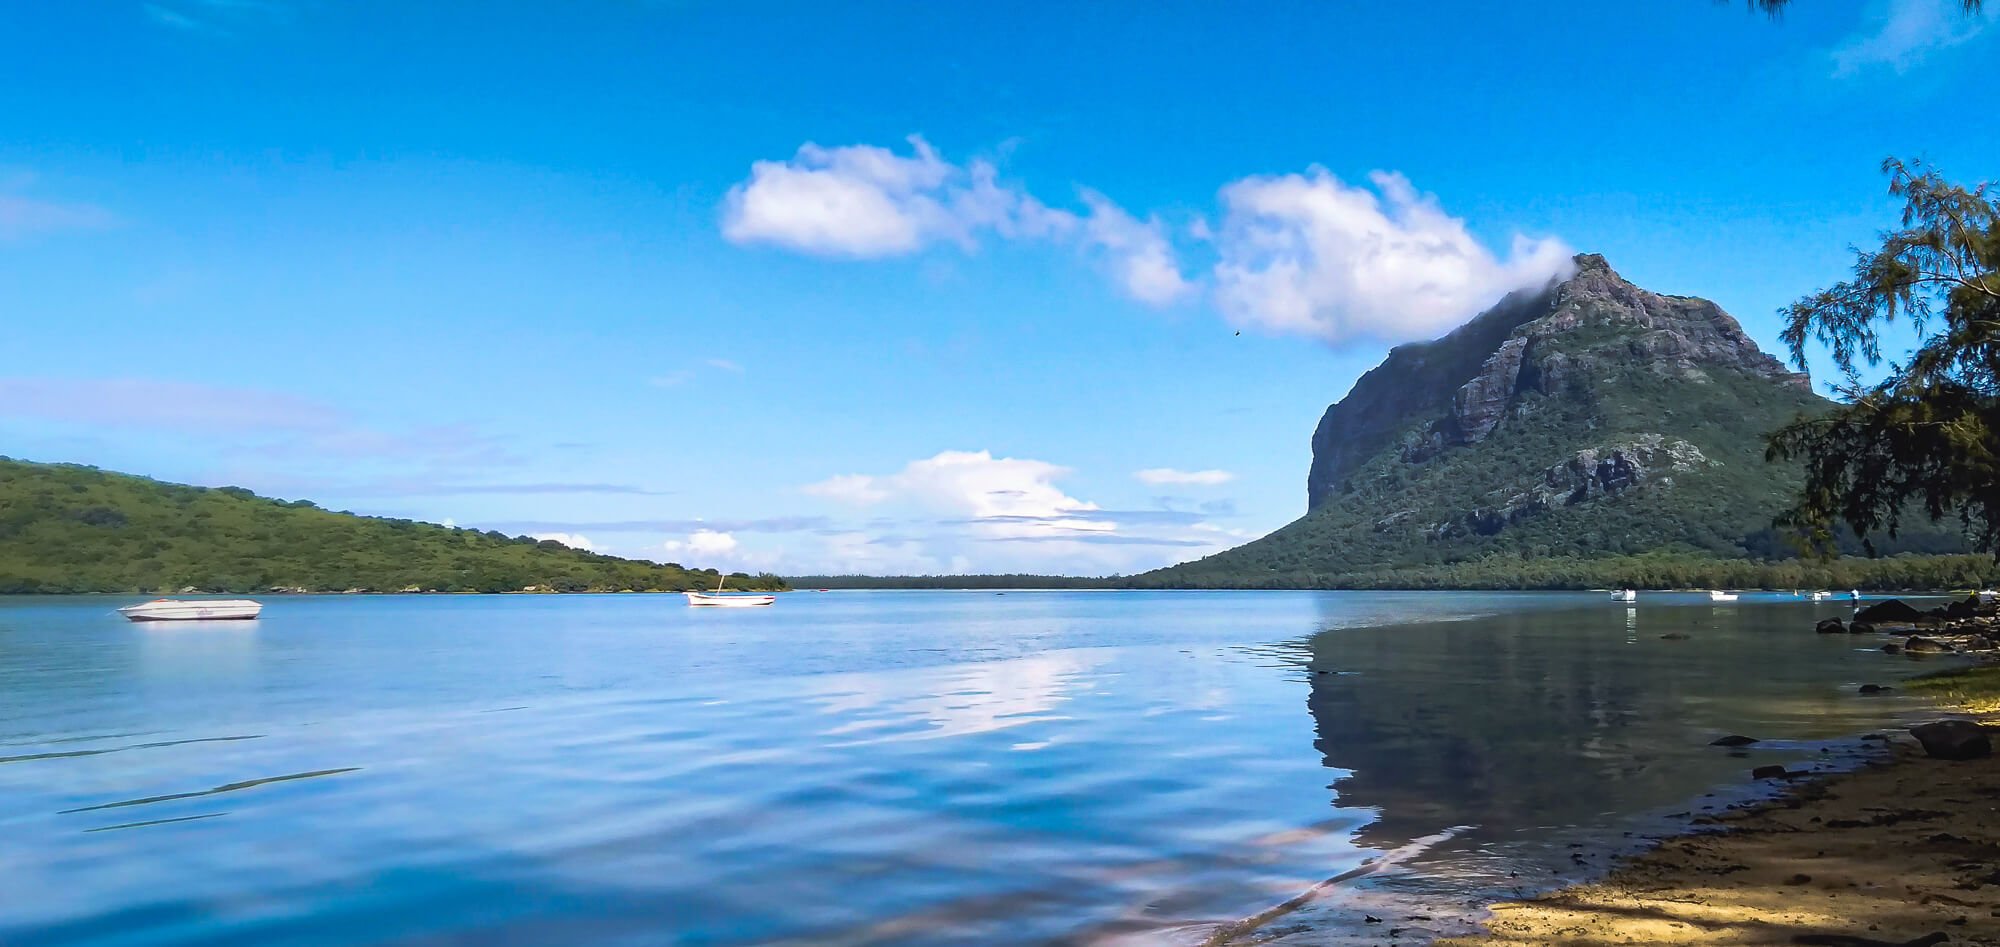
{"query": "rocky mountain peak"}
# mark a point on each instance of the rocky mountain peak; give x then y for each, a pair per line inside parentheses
(1576, 338)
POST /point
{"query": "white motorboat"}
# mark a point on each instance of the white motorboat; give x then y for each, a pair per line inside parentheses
(1717, 595)
(1625, 595)
(1820, 596)
(729, 599)
(169, 609)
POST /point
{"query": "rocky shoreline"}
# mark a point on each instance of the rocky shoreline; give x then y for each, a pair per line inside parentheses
(1901, 852)
(1967, 627)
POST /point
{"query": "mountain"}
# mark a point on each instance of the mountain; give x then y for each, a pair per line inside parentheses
(1586, 419)
(68, 528)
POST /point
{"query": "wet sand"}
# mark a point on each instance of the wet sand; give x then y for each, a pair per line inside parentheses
(1904, 850)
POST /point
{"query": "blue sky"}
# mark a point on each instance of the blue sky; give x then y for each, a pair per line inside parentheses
(879, 287)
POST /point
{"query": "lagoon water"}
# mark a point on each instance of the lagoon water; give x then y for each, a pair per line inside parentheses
(872, 767)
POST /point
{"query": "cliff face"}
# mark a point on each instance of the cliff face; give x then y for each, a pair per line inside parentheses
(1587, 417)
(1559, 342)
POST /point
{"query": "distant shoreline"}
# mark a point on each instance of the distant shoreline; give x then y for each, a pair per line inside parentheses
(296, 593)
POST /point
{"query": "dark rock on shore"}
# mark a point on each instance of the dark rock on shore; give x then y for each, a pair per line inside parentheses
(1921, 645)
(1892, 648)
(1734, 739)
(1831, 626)
(1860, 627)
(1892, 610)
(1953, 739)
(1874, 688)
(1773, 771)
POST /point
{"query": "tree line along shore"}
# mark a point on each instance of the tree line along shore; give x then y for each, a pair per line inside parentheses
(1905, 572)
(66, 528)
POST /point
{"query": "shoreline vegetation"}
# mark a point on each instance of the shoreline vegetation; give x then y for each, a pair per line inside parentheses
(66, 528)
(1898, 573)
(1903, 851)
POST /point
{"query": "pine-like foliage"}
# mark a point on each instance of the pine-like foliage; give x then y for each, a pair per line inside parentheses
(1925, 438)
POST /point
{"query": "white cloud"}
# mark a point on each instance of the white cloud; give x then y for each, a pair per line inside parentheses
(1901, 34)
(1308, 254)
(863, 201)
(1300, 254)
(1161, 476)
(960, 511)
(704, 542)
(718, 548)
(572, 540)
(1138, 253)
(866, 202)
(856, 489)
(725, 365)
(973, 483)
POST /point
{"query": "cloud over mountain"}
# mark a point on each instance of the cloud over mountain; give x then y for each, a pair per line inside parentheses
(1291, 254)
(1308, 254)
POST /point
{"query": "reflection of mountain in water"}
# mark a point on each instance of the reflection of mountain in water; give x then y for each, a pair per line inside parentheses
(1525, 721)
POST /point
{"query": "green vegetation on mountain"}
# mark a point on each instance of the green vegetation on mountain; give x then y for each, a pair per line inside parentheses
(1657, 570)
(68, 528)
(1589, 433)
(1663, 570)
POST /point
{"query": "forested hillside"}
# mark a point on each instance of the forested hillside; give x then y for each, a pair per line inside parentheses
(67, 528)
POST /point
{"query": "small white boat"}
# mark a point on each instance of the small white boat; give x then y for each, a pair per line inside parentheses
(721, 599)
(169, 609)
(1717, 595)
(1625, 595)
(1820, 596)
(729, 599)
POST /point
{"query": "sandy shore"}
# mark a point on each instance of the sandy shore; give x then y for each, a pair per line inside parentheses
(1906, 850)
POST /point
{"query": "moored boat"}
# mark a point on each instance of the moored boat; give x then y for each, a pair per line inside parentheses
(1717, 595)
(1625, 595)
(729, 600)
(721, 599)
(169, 609)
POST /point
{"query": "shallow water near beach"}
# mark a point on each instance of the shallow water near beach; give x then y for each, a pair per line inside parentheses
(875, 767)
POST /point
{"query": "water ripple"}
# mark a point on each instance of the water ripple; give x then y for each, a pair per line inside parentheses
(226, 787)
(67, 754)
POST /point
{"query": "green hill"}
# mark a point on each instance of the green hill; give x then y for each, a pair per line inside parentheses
(67, 528)
(1588, 422)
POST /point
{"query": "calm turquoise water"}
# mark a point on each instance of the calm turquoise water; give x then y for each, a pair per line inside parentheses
(865, 767)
